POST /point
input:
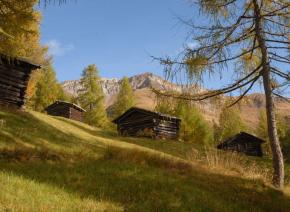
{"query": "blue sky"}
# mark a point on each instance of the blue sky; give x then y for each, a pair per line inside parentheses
(117, 36)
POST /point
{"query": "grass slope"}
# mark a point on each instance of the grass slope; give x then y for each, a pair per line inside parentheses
(55, 164)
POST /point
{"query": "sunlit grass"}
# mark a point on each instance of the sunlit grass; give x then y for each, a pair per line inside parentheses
(54, 164)
(19, 193)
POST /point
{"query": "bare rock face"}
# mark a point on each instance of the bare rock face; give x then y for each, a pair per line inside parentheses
(142, 81)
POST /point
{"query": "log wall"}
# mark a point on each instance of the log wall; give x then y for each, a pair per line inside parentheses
(243, 143)
(76, 114)
(149, 125)
(64, 110)
(13, 84)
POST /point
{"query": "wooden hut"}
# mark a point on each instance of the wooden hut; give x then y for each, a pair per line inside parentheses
(66, 110)
(243, 143)
(141, 122)
(14, 77)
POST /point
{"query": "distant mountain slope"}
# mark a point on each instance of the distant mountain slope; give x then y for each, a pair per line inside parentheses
(142, 83)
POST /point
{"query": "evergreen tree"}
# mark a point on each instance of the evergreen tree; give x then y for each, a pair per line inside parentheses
(282, 127)
(47, 90)
(230, 123)
(91, 98)
(194, 127)
(165, 105)
(20, 31)
(125, 98)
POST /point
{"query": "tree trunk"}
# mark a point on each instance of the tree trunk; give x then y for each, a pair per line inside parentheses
(278, 162)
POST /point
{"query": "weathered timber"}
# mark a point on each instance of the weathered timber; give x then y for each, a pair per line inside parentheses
(141, 122)
(243, 143)
(14, 77)
(66, 110)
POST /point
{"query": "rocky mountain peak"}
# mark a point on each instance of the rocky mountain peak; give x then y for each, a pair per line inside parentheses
(112, 86)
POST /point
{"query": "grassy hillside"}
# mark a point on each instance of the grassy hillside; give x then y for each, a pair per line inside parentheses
(54, 164)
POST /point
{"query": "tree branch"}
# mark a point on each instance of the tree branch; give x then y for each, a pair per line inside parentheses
(206, 95)
(282, 97)
(245, 93)
(280, 73)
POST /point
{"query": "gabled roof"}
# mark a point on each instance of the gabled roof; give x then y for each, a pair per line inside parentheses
(144, 111)
(66, 103)
(18, 61)
(244, 135)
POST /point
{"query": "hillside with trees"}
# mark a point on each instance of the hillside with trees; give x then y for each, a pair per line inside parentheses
(144, 142)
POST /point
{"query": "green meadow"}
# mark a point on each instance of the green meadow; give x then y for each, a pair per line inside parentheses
(54, 164)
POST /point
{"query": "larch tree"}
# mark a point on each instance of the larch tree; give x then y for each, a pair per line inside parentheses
(20, 31)
(282, 127)
(47, 90)
(230, 123)
(249, 36)
(91, 98)
(125, 98)
(193, 127)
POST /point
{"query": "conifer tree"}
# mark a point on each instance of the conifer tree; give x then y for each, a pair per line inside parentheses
(230, 123)
(125, 98)
(282, 127)
(252, 32)
(165, 105)
(91, 97)
(20, 30)
(194, 127)
(47, 90)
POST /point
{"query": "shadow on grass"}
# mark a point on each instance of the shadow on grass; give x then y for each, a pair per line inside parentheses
(140, 187)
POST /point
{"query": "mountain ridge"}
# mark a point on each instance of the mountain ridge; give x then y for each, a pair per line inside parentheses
(139, 81)
(250, 106)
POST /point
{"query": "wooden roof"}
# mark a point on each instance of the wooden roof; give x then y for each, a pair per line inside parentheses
(243, 135)
(18, 62)
(77, 107)
(144, 111)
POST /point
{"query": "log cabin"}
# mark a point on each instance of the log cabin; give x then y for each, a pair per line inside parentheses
(14, 77)
(243, 143)
(146, 123)
(66, 110)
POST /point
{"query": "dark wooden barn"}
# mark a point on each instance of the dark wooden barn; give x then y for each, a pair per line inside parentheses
(141, 122)
(66, 110)
(243, 143)
(14, 77)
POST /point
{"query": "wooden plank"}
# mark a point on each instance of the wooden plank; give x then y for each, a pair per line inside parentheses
(9, 87)
(14, 74)
(9, 93)
(12, 83)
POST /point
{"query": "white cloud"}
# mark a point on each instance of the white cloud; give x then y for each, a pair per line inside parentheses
(192, 45)
(58, 49)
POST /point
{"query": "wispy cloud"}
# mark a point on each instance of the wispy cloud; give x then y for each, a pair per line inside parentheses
(58, 49)
(192, 45)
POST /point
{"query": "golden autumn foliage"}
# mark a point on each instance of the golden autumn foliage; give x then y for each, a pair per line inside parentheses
(20, 34)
